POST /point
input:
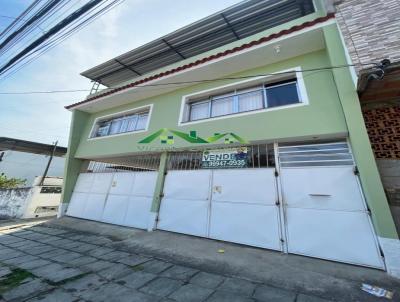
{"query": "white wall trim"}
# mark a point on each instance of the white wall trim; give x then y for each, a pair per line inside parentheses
(304, 100)
(391, 251)
(133, 110)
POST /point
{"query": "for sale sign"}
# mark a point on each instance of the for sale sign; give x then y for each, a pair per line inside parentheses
(224, 158)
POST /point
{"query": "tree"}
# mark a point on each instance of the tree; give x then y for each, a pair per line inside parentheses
(10, 183)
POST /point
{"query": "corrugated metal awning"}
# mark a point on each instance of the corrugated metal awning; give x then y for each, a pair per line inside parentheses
(235, 23)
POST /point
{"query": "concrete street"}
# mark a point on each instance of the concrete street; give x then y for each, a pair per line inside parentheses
(75, 260)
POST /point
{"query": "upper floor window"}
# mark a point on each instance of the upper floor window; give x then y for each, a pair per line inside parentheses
(242, 100)
(122, 123)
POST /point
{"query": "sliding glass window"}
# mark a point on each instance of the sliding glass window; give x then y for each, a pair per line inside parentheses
(244, 100)
(121, 124)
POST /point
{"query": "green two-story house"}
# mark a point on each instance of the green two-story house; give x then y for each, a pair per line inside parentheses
(244, 127)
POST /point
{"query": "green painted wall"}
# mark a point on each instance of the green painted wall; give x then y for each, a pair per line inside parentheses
(359, 140)
(333, 110)
(73, 165)
(155, 205)
(323, 115)
(166, 107)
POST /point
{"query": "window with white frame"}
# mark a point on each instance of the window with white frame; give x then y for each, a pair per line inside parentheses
(129, 122)
(262, 96)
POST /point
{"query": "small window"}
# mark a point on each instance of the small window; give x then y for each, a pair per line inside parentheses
(122, 124)
(244, 100)
(282, 94)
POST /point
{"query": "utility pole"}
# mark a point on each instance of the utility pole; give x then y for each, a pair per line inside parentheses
(48, 164)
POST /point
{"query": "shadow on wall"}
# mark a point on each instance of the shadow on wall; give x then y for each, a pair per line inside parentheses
(390, 175)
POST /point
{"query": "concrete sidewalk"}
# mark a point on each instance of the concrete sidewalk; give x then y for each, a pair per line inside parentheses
(70, 260)
(314, 277)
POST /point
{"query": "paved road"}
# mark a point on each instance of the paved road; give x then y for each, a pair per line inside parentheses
(68, 266)
(64, 264)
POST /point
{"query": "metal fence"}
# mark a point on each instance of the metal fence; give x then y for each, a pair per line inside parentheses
(138, 163)
(258, 156)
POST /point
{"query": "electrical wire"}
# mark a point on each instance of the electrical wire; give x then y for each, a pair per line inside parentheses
(19, 18)
(15, 22)
(191, 82)
(49, 34)
(30, 22)
(31, 30)
(60, 37)
(59, 9)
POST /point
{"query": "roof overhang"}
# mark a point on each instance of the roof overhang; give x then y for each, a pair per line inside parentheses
(301, 39)
(7, 143)
(234, 23)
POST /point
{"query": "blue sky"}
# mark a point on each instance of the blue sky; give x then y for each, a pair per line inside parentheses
(41, 117)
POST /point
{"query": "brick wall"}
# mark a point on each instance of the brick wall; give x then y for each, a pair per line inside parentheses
(371, 29)
(383, 125)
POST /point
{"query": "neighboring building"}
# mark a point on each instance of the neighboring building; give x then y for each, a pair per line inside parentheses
(236, 128)
(371, 31)
(39, 200)
(29, 160)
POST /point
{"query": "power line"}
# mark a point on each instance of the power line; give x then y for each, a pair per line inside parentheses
(14, 23)
(64, 34)
(49, 34)
(40, 22)
(29, 22)
(19, 18)
(192, 82)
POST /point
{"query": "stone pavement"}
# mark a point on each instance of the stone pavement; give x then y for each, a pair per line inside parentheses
(68, 266)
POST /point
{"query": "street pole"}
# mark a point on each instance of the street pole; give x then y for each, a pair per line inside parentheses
(48, 164)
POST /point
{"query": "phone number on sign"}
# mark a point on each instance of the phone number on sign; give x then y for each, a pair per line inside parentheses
(224, 163)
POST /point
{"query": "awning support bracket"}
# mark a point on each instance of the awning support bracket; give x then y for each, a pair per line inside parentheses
(128, 67)
(230, 26)
(174, 49)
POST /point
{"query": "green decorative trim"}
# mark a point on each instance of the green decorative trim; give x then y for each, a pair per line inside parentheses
(165, 138)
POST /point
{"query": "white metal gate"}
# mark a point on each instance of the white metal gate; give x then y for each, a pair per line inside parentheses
(244, 207)
(237, 205)
(325, 214)
(122, 198)
(320, 212)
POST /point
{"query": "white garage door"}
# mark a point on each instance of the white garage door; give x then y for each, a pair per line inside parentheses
(237, 205)
(89, 195)
(185, 206)
(122, 198)
(326, 216)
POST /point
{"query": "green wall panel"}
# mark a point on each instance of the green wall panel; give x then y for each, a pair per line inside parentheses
(323, 116)
(364, 157)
